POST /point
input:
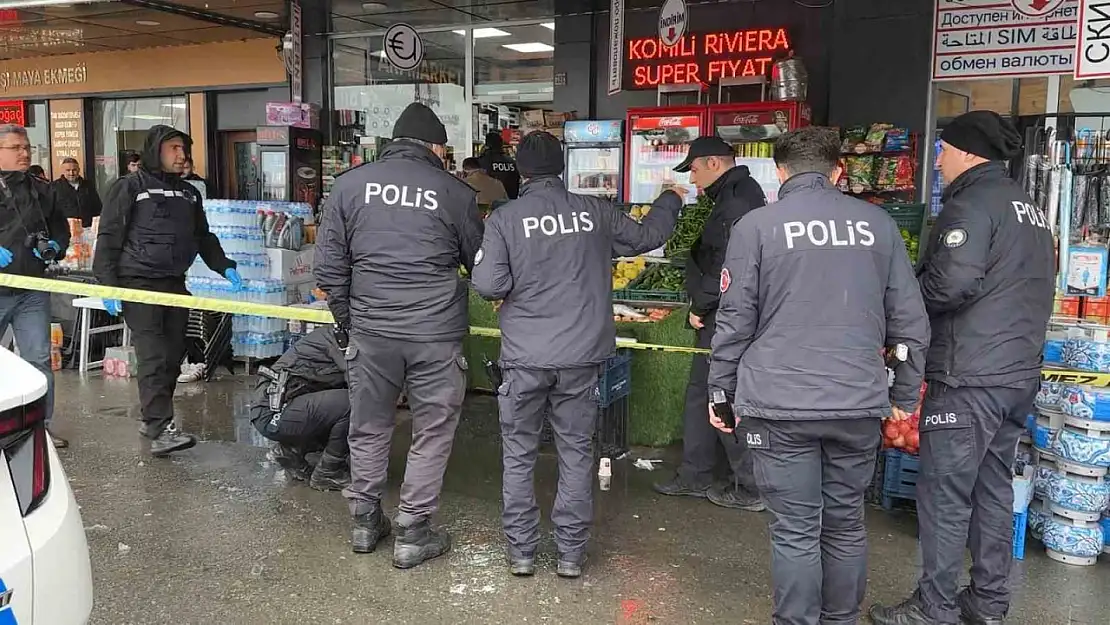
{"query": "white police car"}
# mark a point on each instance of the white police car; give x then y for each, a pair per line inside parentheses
(44, 560)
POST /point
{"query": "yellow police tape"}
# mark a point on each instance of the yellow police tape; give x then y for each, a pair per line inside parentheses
(312, 315)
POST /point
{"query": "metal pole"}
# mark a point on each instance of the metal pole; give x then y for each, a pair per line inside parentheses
(469, 80)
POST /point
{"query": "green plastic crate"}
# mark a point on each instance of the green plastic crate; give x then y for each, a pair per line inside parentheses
(909, 217)
(643, 295)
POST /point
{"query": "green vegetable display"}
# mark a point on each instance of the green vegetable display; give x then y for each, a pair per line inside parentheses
(689, 227)
(912, 241)
(661, 278)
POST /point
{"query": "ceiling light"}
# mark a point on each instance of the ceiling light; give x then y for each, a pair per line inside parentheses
(484, 33)
(175, 105)
(148, 23)
(528, 48)
(266, 15)
(548, 25)
(374, 6)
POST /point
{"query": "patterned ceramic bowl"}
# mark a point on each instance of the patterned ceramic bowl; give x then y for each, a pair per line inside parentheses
(1079, 493)
(1043, 436)
(1054, 352)
(1085, 402)
(1037, 518)
(1083, 447)
(1087, 355)
(1082, 540)
(1106, 530)
(1042, 480)
(1050, 395)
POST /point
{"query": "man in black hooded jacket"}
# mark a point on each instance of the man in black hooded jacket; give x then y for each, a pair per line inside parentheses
(152, 228)
(735, 193)
(500, 165)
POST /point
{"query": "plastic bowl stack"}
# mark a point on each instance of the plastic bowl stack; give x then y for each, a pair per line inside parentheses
(1106, 533)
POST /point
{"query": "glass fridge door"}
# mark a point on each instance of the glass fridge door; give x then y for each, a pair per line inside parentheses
(275, 175)
(657, 145)
(594, 171)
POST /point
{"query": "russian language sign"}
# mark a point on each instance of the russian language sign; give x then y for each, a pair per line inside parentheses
(974, 39)
(1093, 52)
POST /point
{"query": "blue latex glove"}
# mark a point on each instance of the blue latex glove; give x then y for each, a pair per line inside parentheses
(5, 257)
(234, 278)
(113, 306)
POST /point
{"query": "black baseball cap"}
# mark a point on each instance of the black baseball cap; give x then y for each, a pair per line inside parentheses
(702, 147)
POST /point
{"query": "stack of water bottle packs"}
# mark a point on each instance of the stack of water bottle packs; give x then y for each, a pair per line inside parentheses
(238, 224)
(1070, 431)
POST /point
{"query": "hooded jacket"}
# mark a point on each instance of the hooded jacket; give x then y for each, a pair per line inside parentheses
(812, 289)
(392, 237)
(82, 202)
(734, 195)
(315, 363)
(153, 224)
(500, 166)
(548, 255)
(31, 208)
(988, 279)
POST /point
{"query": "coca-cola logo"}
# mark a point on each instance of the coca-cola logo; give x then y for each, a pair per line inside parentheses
(671, 121)
(745, 120)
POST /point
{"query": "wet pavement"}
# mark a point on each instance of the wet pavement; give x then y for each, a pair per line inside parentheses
(218, 535)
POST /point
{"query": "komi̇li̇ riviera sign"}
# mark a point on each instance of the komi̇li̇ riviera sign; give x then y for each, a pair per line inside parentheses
(703, 58)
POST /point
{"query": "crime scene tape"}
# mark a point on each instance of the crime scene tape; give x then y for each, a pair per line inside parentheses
(312, 315)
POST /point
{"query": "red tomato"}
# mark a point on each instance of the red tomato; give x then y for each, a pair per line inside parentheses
(913, 439)
(899, 442)
(890, 430)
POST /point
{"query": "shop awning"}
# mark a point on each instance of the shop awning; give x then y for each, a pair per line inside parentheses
(46, 28)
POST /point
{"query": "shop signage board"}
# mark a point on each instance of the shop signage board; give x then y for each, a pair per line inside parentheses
(672, 21)
(616, 45)
(981, 39)
(703, 57)
(67, 132)
(1092, 54)
(13, 112)
(403, 47)
(296, 74)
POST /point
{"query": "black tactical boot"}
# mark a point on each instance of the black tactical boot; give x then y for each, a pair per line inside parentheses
(735, 497)
(164, 440)
(570, 567)
(417, 543)
(968, 616)
(292, 460)
(521, 565)
(909, 612)
(679, 487)
(370, 528)
(331, 473)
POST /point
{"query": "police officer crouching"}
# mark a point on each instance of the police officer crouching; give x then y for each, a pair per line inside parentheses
(988, 282)
(812, 289)
(548, 255)
(152, 228)
(302, 404)
(393, 236)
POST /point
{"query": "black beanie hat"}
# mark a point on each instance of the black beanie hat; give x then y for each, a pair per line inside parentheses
(983, 133)
(418, 121)
(539, 154)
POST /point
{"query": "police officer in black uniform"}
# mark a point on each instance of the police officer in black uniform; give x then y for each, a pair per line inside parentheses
(302, 404)
(812, 290)
(712, 166)
(393, 236)
(987, 279)
(548, 255)
(500, 165)
(151, 231)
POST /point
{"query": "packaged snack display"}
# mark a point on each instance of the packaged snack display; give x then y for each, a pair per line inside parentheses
(875, 137)
(853, 140)
(895, 173)
(860, 172)
(897, 140)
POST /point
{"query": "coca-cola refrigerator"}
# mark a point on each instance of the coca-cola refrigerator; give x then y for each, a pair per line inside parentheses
(657, 140)
(594, 157)
(752, 129)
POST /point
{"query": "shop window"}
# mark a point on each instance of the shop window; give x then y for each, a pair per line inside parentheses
(515, 64)
(370, 93)
(38, 133)
(120, 128)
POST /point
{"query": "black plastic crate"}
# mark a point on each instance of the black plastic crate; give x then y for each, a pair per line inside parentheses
(610, 435)
(616, 380)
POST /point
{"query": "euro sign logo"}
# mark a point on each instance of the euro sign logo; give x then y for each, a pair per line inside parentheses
(403, 47)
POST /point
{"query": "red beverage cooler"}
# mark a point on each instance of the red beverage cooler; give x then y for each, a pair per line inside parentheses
(752, 129)
(657, 141)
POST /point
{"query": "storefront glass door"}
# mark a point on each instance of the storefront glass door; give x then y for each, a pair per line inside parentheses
(120, 128)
